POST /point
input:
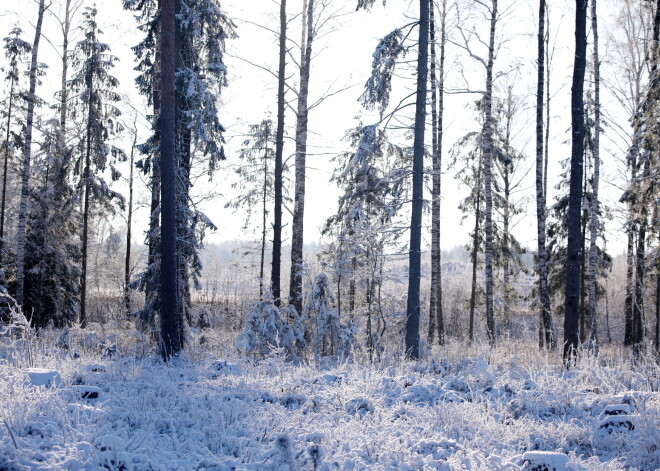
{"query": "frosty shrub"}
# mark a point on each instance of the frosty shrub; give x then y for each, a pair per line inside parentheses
(329, 337)
(268, 327)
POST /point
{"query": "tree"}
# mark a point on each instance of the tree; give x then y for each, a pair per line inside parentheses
(547, 330)
(594, 207)
(295, 286)
(27, 154)
(436, 320)
(414, 262)
(256, 183)
(97, 96)
(53, 255)
(170, 328)
(15, 51)
(279, 150)
(572, 290)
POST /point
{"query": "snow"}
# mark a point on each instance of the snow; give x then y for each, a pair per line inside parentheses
(214, 409)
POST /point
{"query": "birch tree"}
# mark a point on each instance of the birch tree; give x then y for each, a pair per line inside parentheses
(436, 319)
(295, 286)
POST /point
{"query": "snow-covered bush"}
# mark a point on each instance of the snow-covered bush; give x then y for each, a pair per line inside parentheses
(329, 336)
(268, 327)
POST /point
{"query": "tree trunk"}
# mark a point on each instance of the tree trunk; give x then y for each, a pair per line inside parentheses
(488, 178)
(295, 286)
(25, 176)
(630, 280)
(169, 304)
(475, 257)
(435, 195)
(438, 170)
(583, 269)
(3, 204)
(572, 292)
(129, 225)
(657, 303)
(594, 210)
(279, 149)
(264, 196)
(414, 264)
(547, 330)
(87, 176)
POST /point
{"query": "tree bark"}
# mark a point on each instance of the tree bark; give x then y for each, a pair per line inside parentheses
(475, 256)
(295, 285)
(129, 225)
(87, 176)
(572, 291)
(27, 152)
(279, 149)
(5, 168)
(594, 209)
(414, 264)
(169, 304)
(435, 194)
(488, 177)
(547, 330)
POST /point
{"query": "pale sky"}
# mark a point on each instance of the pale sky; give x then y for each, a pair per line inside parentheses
(345, 59)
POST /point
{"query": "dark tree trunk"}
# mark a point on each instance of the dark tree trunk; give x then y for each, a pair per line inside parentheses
(295, 285)
(5, 168)
(594, 209)
(27, 152)
(169, 304)
(413, 304)
(572, 292)
(279, 149)
(87, 177)
(475, 257)
(630, 285)
(547, 330)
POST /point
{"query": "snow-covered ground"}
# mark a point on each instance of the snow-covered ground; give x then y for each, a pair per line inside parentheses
(512, 408)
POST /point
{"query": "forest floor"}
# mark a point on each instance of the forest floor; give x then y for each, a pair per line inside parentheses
(91, 406)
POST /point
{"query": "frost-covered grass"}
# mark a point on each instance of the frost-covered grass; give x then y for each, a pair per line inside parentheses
(460, 408)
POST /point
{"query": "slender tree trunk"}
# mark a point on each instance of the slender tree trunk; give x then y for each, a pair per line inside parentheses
(5, 166)
(435, 196)
(546, 146)
(594, 210)
(657, 303)
(414, 264)
(169, 304)
(638, 307)
(583, 270)
(488, 178)
(547, 330)
(438, 171)
(295, 286)
(279, 149)
(572, 293)
(351, 287)
(475, 257)
(87, 176)
(264, 229)
(630, 280)
(129, 225)
(27, 152)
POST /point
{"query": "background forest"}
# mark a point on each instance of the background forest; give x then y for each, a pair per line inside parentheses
(454, 120)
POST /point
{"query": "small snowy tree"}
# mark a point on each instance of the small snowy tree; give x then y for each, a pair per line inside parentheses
(268, 327)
